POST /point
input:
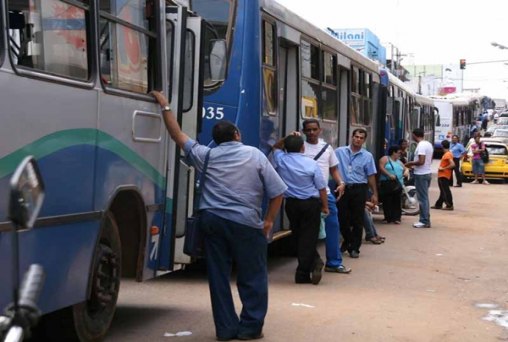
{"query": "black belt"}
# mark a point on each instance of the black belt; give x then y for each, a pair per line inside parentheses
(355, 185)
(304, 199)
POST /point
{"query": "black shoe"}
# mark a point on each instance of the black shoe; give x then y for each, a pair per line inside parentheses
(448, 208)
(436, 207)
(317, 273)
(354, 254)
(245, 337)
(303, 281)
(226, 338)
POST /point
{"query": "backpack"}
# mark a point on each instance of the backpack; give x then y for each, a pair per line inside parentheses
(485, 155)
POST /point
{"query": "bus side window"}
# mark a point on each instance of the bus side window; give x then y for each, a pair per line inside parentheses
(50, 36)
(127, 38)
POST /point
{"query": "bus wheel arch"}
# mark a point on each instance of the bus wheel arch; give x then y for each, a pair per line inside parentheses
(119, 253)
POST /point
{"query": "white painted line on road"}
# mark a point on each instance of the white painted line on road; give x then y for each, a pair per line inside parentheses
(178, 334)
(304, 305)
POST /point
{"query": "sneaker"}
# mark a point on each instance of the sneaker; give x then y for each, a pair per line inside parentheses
(485, 182)
(341, 269)
(474, 182)
(420, 225)
(448, 208)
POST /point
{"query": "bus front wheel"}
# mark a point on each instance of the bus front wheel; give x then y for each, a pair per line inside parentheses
(93, 317)
(89, 321)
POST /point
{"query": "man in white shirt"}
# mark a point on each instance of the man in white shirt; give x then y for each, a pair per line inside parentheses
(327, 161)
(422, 172)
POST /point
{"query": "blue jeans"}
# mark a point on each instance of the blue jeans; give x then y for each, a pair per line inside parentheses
(227, 242)
(422, 184)
(333, 253)
(368, 224)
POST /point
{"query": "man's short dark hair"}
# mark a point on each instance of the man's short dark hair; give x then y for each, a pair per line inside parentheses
(418, 132)
(445, 144)
(392, 149)
(359, 130)
(401, 141)
(224, 131)
(310, 121)
(293, 143)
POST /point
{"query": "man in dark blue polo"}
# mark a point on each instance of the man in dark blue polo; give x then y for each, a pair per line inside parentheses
(358, 170)
(237, 179)
(306, 199)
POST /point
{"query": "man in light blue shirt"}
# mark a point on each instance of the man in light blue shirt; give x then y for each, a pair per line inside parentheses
(458, 152)
(306, 199)
(237, 178)
(358, 170)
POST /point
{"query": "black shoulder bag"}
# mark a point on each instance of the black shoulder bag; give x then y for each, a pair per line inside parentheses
(194, 245)
(484, 155)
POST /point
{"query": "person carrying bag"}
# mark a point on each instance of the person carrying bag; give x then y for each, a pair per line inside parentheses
(194, 245)
(390, 186)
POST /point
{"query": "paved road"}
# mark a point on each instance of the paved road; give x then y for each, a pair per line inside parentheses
(447, 283)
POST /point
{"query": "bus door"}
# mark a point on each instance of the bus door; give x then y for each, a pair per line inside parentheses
(288, 75)
(180, 59)
(190, 121)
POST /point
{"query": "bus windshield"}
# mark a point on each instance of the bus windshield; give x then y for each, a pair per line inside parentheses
(219, 15)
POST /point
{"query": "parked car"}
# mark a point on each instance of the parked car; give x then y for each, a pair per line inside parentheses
(502, 121)
(490, 131)
(497, 167)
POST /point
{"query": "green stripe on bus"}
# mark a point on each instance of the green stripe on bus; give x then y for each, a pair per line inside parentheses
(54, 142)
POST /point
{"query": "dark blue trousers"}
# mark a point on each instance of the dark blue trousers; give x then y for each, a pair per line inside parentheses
(227, 242)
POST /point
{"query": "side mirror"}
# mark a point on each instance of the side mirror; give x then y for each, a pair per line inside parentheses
(26, 194)
(218, 54)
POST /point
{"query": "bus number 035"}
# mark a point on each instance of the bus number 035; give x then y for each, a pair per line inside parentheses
(212, 113)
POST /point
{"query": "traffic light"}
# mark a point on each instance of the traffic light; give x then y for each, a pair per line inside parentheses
(462, 64)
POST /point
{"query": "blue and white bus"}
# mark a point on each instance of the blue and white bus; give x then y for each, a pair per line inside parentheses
(75, 78)
(282, 70)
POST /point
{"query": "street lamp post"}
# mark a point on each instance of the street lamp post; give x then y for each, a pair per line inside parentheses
(499, 46)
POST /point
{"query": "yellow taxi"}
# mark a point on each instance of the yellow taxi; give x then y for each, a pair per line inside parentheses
(497, 167)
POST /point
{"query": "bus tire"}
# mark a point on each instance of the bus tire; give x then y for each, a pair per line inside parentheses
(89, 321)
(93, 317)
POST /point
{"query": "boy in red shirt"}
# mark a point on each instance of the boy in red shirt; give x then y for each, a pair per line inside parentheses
(444, 176)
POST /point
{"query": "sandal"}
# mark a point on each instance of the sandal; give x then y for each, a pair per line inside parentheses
(374, 241)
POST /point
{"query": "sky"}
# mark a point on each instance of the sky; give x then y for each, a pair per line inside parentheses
(429, 32)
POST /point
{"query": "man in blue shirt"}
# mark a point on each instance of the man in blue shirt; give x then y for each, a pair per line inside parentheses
(458, 152)
(306, 199)
(358, 170)
(237, 178)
